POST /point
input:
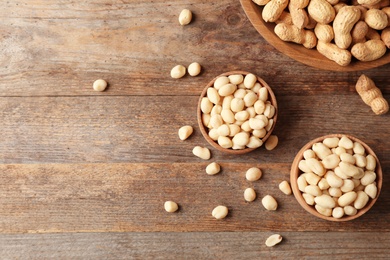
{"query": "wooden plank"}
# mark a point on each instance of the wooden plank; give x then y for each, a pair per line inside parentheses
(59, 49)
(196, 245)
(144, 129)
(42, 198)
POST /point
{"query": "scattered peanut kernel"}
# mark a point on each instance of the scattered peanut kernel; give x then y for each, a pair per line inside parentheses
(178, 71)
(220, 212)
(213, 168)
(194, 69)
(171, 206)
(100, 85)
(284, 186)
(273, 240)
(249, 194)
(253, 174)
(269, 203)
(201, 152)
(185, 17)
(185, 132)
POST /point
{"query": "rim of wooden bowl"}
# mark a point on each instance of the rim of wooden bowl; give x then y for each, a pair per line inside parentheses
(203, 129)
(310, 57)
(295, 172)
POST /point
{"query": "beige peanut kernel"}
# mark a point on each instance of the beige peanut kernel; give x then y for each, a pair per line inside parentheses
(171, 206)
(269, 202)
(185, 17)
(185, 132)
(213, 168)
(284, 187)
(220, 212)
(249, 194)
(273, 240)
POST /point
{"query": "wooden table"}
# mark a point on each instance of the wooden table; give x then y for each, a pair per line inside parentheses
(84, 174)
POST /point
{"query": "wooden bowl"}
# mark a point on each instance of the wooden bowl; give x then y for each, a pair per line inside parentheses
(299, 53)
(295, 172)
(204, 129)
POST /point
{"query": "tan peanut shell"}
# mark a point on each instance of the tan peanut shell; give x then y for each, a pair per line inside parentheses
(342, 25)
(273, 9)
(321, 11)
(371, 95)
(333, 52)
(369, 50)
(376, 19)
(324, 32)
(385, 37)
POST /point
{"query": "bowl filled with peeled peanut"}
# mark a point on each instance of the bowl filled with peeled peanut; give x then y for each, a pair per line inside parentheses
(237, 112)
(325, 34)
(336, 177)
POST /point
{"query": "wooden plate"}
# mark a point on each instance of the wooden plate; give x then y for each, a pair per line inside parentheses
(295, 172)
(203, 129)
(299, 53)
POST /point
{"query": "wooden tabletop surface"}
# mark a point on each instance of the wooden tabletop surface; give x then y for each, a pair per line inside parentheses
(85, 174)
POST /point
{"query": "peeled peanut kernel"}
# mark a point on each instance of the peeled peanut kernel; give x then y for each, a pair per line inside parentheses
(316, 166)
(225, 142)
(340, 174)
(185, 132)
(99, 85)
(349, 169)
(242, 115)
(284, 187)
(256, 123)
(323, 184)
(240, 93)
(185, 17)
(311, 178)
(348, 158)
(331, 161)
(269, 110)
(347, 198)
(370, 162)
(331, 142)
(253, 174)
(171, 206)
(339, 150)
(338, 212)
(368, 178)
(360, 160)
(227, 116)
(250, 98)
(246, 127)
(201, 152)
(213, 168)
(194, 69)
(254, 142)
(241, 139)
(273, 240)
(178, 71)
(335, 192)
(206, 106)
(221, 81)
(361, 200)
(270, 124)
(250, 80)
(223, 130)
(309, 199)
(309, 153)
(227, 90)
(321, 150)
(259, 107)
(249, 194)
(251, 111)
(323, 211)
(213, 96)
(350, 210)
(301, 181)
(263, 94)
(371, 190)
(271, 142)
(269, 203)
(325, 201)
(348, 186)
(302, 165)
(216, 121)
(236, 79)
(260, 133)
(313, 190)
(237, 105)
(358, 148)
(345, 142)
(213, 133)
(220, 212)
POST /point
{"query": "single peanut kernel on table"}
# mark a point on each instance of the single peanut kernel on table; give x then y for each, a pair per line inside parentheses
(185, 17)
(201, 152)
(171, 206)
(178, 71)
(273, 240)
(220, 212)
(100, 85)
(185, 132)
(194, 69)
(271, 142)
(269, 203)
(253, 174)
(249, 194)
(284, 186)
(213, 168)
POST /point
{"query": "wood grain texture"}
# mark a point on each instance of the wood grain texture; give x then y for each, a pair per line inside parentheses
(197, 245)
(91, 170)
(130, 197)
